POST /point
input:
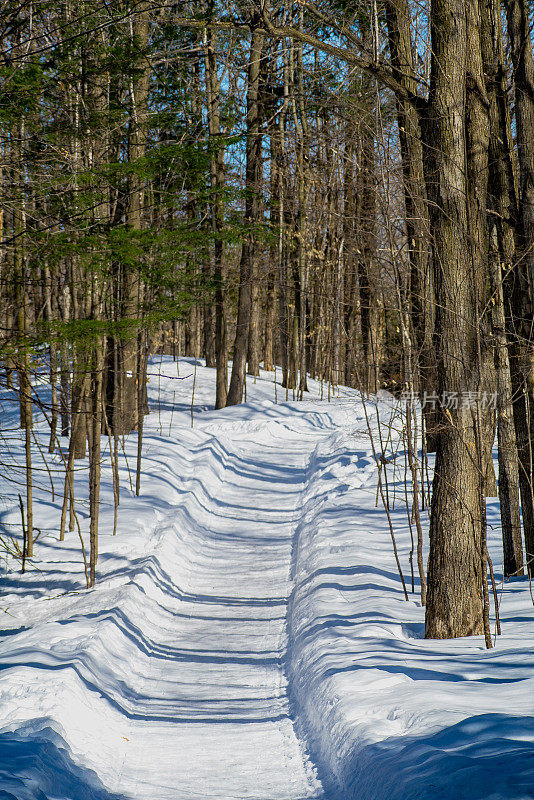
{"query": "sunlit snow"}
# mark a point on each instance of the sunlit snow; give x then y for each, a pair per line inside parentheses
(248, 636)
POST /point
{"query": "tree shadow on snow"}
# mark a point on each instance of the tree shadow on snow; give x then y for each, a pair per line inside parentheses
(35, 764)
(482, 757)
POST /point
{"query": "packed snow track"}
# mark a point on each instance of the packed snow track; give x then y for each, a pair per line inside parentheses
(211, 708)
(176, 659)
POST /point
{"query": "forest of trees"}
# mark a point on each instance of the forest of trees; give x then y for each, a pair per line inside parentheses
(343, 189)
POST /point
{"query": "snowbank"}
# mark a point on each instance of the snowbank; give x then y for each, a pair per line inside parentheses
(387, 714)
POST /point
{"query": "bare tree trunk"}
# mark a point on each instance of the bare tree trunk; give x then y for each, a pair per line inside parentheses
(78, 432)
(68, 492)
(217, 178)
(94, 456)
(142, 359)
(252, 214)
(412, 445)
(455, 603)
(523, 293)
(64, 389)
(208, 328)
(270, 313)
(52, 354)
(416, 207)
(122, 388)
(270, 293)
(253, 351)
(29, 477)
(502, 199)
(301, 130)
(352, 316)
(507, 455)
(372, 307)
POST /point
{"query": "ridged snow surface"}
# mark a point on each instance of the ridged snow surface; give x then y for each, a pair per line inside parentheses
(248, 637)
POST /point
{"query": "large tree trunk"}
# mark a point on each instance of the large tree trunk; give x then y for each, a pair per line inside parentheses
(457, 550)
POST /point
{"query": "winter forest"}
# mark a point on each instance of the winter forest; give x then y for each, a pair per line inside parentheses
(266, 400)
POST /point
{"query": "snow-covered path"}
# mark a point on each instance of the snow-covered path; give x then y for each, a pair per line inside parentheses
(248, 637)
(171, 676)
(214, 713)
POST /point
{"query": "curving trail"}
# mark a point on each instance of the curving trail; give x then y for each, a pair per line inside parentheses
(167, 680)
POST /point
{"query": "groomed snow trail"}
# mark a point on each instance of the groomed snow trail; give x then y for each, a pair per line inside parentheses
(255, 566)
(217, 724)
(167, 681)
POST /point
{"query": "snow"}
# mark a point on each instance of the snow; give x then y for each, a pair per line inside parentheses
(248, 636)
